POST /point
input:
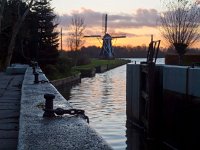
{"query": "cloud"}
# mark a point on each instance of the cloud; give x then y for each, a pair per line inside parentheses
(92, 18)
(145, 17)
(140, 18)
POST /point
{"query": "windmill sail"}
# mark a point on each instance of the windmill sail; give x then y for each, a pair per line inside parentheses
(106, 20)
(93, 36)
(119, 36)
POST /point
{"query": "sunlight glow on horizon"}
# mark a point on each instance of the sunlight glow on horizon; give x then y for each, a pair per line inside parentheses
(135, 18)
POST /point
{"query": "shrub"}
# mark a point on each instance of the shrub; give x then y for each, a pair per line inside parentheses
(188, 59)
(64, 64)
(50, 71)
(83, 60)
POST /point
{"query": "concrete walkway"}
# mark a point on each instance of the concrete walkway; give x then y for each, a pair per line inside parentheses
(57, 133)
(10, 96)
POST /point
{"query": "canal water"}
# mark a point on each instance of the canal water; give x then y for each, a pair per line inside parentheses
(103, 98)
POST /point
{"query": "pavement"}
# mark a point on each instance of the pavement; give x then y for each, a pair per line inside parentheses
(10, 96)
(23, 127)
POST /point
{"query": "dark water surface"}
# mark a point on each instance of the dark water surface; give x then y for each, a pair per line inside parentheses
(103, 98)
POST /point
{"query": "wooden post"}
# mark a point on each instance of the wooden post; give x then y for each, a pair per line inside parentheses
(61, 40)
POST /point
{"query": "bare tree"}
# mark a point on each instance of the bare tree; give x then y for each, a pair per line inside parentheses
(180, 24)
(15, 31)
(75, 38)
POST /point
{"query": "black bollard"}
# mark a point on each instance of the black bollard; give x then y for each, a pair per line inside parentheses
(33, 67)
(36, 64)
(36, 77)
(48, 111)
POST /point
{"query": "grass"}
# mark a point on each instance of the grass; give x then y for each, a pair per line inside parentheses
(55, 74)
(100, 62)
(59, 75)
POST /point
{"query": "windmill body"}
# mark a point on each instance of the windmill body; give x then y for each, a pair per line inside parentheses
(107, 49)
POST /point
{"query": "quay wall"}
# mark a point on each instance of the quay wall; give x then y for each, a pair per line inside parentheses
(66, 132)
(181, 106)
(177, 108)
(182, 79)
(67, 81)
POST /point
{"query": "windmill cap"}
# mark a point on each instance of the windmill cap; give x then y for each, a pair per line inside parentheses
(107, 36)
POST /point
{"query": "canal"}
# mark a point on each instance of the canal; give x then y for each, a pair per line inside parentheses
(103, 97)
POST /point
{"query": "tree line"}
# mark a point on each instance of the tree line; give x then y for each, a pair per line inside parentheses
(127, 51)
(120, 51)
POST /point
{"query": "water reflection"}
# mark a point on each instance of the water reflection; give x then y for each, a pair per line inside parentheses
(103, 98)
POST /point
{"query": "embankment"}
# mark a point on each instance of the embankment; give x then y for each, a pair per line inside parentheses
(100, 66)
(72, 80)
(88, 71)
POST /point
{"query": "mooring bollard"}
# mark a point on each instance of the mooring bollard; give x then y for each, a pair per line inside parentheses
(36, 77)
(48, 111)
(33, 67)
(36, 64)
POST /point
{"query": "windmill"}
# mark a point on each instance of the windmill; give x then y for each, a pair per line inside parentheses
(107, 49)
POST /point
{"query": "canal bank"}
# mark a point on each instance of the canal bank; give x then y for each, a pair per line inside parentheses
(60, 132)
(68, 81)
(100, 66)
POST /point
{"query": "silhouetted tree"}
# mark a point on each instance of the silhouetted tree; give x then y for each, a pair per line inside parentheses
(75, 38)
(28, 34)
(15, 30)
(45, 38)
(2, 5)
(180, 24)
(26, 41)
(14, 13)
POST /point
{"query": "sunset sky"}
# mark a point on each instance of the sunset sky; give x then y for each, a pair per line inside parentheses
(138, 19)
